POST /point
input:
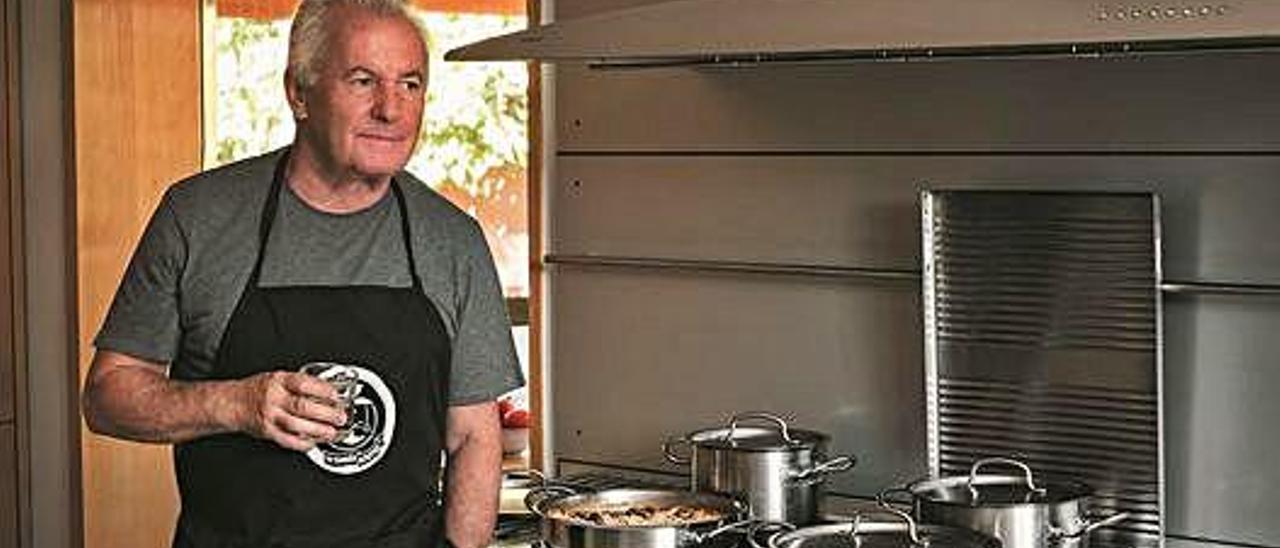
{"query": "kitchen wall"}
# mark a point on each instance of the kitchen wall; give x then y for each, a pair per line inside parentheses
(822, 165)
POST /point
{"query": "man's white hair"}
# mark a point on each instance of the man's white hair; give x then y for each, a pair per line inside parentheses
(311, 34)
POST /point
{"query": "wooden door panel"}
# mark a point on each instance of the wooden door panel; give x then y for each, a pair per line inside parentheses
(137, 120)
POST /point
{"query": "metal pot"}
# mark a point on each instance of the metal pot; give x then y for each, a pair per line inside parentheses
(1016, 509)
(897, 532)
(556, 504)
(778, 470)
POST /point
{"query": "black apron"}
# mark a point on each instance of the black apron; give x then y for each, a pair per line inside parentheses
(377, 487)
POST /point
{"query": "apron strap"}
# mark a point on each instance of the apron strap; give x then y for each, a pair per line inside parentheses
(404, 229)
(268, 217)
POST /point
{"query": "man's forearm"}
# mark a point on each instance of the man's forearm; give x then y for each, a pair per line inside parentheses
(135, 399)
(145, 405)
(473, 478)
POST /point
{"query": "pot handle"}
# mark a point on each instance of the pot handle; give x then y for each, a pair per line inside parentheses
(754, 530)
(913, 532)
(1090, 522)
(882, 498)
(820, 470)
(669, 451)
(699, 538)
(528, 473)
(539, 496)
(1026, 470)
(760, 415)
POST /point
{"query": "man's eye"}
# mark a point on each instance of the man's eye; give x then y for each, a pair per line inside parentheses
(363, 81)
(412, 85)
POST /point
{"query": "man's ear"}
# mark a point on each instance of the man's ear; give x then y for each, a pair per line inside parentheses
(296, 93)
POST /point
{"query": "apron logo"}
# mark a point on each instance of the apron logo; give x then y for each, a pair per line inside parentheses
(371, 423)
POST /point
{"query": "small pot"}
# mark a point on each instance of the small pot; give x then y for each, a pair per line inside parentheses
(779, 471)
(864, 532)
(1016, 509)
(555, 503)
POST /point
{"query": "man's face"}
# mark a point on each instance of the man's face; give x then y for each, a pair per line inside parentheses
(365, 106)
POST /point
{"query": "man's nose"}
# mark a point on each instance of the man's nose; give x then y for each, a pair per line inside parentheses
(386, 104)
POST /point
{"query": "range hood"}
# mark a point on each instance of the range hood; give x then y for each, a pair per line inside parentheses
(694, 32)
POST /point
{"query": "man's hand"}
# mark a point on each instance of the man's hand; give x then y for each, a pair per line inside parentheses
(131, 398)
(294, 410)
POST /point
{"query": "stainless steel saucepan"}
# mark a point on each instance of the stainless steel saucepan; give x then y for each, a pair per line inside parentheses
(758, 457)
(1016, 509)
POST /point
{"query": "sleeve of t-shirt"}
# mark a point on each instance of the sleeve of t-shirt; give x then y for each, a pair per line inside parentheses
(484, 357)
(143, 318)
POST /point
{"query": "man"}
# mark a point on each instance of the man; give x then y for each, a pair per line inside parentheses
(326, 254)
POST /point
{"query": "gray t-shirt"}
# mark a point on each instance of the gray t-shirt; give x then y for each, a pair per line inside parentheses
(195, 257)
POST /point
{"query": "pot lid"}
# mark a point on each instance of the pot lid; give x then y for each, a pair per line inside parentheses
(879, 532)
(754, 438)
(998, 490)
(775, 435)
(977, 489)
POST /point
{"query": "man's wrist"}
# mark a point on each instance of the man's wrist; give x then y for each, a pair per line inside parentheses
(224, 404)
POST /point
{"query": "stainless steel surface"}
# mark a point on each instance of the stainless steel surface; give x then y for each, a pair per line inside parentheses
(861, 212)
(1042, 337)
(1221, 447)
(822, 165)
(691, 265)
(779, 471)
(635, 353)
(734, 267)
(1018, 526)
(1176, 105)
(1209, 288)
(763, 31)
(762, 480)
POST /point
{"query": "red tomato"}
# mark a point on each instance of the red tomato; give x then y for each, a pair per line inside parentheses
(517, 418)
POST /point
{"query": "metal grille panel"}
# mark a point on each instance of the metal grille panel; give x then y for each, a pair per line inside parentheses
(1047, 270)
(1042, 341)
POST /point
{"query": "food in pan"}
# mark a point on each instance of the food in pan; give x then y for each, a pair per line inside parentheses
(638, 516)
